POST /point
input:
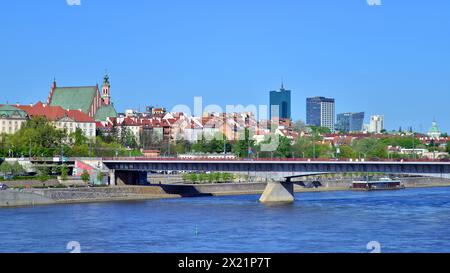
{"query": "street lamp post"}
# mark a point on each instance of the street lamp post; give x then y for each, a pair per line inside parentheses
(314, 149)
(414, 144)
(29, 151)
(168, 144)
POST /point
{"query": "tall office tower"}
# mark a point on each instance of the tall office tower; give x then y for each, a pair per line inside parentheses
(350, 122)
(320, 112)
(282, 100)
(376, 124)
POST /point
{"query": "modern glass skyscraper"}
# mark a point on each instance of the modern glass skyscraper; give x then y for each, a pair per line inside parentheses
(350, 122)
(320, 112)
(282, 100)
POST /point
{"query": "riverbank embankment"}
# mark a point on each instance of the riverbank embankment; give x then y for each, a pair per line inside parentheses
(33, 197)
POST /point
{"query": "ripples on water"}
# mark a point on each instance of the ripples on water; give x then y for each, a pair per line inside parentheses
(413, 220)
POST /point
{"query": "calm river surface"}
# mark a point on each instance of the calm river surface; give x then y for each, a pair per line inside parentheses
(412, 220)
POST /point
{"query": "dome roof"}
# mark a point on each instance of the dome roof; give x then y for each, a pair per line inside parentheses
(434, 128)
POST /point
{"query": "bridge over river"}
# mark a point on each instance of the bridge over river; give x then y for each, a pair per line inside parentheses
(134, 170)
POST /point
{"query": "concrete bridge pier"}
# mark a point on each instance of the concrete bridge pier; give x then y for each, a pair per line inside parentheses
(278, 192)
(112, 178)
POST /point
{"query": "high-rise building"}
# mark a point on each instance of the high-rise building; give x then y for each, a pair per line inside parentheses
(350, 122)
(376, 124)
(320, 112)
(282, 100)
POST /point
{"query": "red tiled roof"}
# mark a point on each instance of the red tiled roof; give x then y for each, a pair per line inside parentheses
(54, 113)
(79, 116)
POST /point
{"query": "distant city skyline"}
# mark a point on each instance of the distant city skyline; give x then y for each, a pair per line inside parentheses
(321, 112)
(280, 101)
(376, 59)
(350, 122)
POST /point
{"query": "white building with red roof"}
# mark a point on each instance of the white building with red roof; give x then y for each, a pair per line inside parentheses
(69, 120)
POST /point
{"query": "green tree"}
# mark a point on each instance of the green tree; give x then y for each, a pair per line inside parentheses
(203, 177)
(311, 148)
(407, 142)
(214, 146)
(210, 177)
(227, 177)
(199, 146)
(37, 136)
(370, 148)
(17, 169)
(299, 125)
(6, 168)
(43, 173)
(193, 177)
(100, 176)
(303, 147)
(78, 150)
(127, 138)
(185, 177)
(284, 148)
(113, 135)
(64, 172)
(346, 151)
(320, 130)
(216, 177)
(85, 176)
(241, 147)
(182, 147)
(78, 137)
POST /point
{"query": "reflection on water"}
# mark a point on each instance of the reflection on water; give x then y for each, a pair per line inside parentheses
(413, 220)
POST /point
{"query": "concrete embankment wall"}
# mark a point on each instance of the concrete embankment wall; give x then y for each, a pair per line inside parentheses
(425, 181)
(13, 198)
(98, 193)
(30, 197)
(31, 184)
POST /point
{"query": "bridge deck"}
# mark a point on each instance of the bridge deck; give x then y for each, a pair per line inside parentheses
(271, 165)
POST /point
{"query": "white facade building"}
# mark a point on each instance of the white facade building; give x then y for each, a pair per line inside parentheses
(376, 124)
(11, 119)
(327, 115)
(71, 125)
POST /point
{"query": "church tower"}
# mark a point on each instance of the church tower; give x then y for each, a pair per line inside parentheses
(106, 89)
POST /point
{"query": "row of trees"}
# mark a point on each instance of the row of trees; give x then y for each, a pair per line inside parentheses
(306, 147)
(43, 172)
(39, 138)
(208, 177)
(14, 169)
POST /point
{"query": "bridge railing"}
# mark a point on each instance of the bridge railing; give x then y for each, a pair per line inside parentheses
(268, 159)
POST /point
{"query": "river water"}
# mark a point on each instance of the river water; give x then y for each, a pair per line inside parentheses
(412, 220)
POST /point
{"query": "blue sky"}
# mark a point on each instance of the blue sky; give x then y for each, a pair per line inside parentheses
(392, 59)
